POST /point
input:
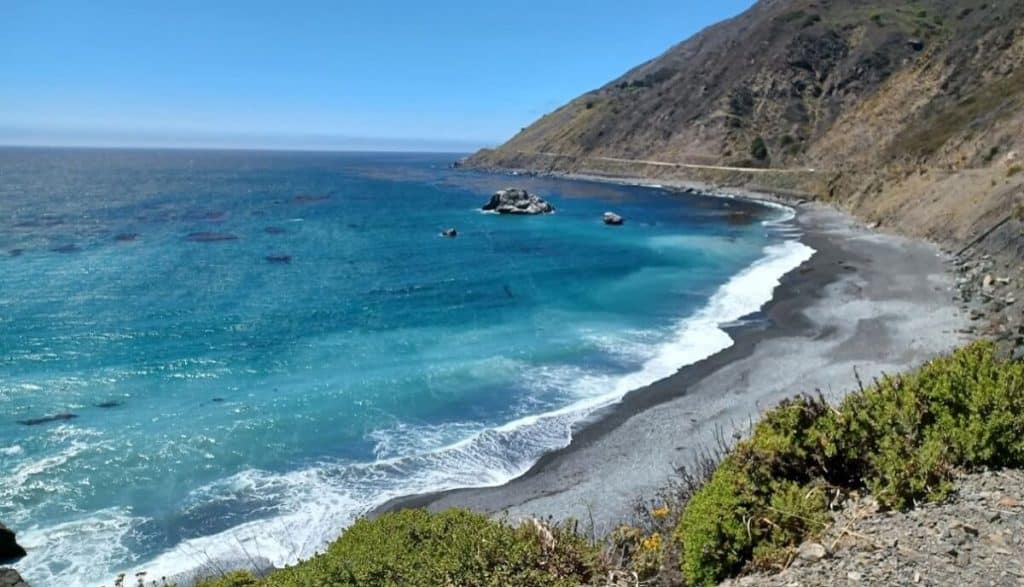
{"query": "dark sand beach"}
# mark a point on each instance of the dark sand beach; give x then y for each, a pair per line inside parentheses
(866, 304)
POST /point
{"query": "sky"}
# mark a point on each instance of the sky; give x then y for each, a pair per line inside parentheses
(369, 74)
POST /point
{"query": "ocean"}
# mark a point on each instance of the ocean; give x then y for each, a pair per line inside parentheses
(251, 349)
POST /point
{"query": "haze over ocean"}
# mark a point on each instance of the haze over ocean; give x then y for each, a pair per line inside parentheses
(267, 344)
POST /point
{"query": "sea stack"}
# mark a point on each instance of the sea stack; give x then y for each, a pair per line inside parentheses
(613, 219)
(517, 201)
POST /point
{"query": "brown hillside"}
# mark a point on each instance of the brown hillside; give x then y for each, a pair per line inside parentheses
(909, 113)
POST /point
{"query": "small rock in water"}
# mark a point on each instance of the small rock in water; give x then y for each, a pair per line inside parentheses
(740, 217)
(47, 419)
(108, 404)
(66, 249)
(281, 259)
(450, 233)
(310, 198)
(15, 252)
(274, 230)
(126, 237)
(613, 219)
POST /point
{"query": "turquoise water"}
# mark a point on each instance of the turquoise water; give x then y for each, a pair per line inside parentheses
(258, 347)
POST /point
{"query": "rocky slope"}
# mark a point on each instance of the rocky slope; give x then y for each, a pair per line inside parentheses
(911, 114)
(976, 538)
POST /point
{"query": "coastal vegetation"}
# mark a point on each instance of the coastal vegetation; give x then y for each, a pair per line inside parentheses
(902, 439)
(414, 548)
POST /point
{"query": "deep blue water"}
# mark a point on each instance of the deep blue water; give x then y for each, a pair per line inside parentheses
(314, 347)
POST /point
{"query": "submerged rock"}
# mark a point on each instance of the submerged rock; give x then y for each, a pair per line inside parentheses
(126, 237)
(11, 578)
(108, 404)
(282, 259)
(15, 252)
(450, 233)
(66, 249)
(207, 215)
(613, 219)
(10, 550)
(740, 217)
(47, 419)
(211, 237)
(274, 230)
(517, 201)
(310, 198)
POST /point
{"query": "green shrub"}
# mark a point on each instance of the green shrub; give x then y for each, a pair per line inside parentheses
(991, 154)
(232, 579)
(794, 512)
(1013, 170)
(758, 149)
(414, 548)
(714, 530)
(811, 20)
(904, 439)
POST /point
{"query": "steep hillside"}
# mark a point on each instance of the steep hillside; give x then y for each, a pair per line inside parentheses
(909, 113)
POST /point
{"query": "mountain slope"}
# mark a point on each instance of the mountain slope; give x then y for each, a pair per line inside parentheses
(909, 113)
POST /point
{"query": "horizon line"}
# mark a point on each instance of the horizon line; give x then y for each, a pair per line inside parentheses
(280, 149)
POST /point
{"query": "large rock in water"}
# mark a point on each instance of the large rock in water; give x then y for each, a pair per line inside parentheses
(517, 201)
(10, 550)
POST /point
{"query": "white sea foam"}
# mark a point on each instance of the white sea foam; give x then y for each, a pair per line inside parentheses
(77, 552)
(312, 505)
(33, 477)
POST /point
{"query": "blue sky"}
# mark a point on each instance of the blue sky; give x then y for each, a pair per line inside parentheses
(450, 75)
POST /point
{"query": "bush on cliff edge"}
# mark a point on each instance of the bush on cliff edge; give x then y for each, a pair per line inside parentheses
(903, 439)
(415, 548)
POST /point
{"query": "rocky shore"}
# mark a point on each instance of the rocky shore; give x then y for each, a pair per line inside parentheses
(990, 289)
(976, 538)
(10, 551)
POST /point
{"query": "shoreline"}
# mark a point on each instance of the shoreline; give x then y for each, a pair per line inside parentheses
(627, 451)
(608, 465)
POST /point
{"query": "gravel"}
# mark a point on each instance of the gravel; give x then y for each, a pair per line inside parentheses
(975, 538)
